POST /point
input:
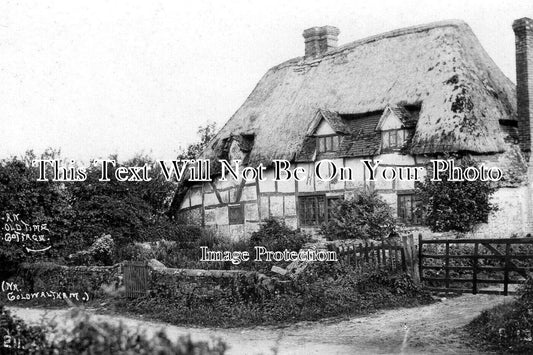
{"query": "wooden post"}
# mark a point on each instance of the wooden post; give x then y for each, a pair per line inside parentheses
(506, 272)
(395, 256)
(376, 252)
(474, 276)
(447, 265)
(402, 252)
(391, 259)
(417, 259)
(383, 255)
(410, 258)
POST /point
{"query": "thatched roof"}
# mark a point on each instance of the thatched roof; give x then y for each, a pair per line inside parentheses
(440, 66)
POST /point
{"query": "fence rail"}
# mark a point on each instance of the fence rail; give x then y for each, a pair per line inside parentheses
(384, 255)
(477, 262)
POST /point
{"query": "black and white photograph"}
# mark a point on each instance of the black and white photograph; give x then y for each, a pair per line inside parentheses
(266, 177)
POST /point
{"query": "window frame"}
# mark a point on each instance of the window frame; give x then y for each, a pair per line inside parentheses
(399, 139)
(322, 205)
(327, 143)
(231, 216)
(416, 215)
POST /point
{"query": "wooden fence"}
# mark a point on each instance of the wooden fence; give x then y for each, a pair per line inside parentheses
(136, 278)
(475, 262)
(382, 255)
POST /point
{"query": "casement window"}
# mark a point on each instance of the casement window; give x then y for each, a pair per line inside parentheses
(393, 139)
(315, 209)
(236, 214)
(328, 143)
(410, 209)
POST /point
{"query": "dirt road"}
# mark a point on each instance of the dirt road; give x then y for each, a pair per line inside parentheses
(421, 330)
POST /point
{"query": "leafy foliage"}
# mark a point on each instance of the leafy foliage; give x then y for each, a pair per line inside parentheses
(507, 327)
(277, 236)
(89, 336)
(365, 216)
(456, 205)
(34, 201)
(325, 290)
(205, 133)
(123, 209)
(101, 252)
(17, 335)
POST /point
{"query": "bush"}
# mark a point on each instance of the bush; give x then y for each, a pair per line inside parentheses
(101, 252)
(16, 334)
(277, 236)
(456, 205)
(507, 327)
(324, 290)
(365, 216)
(180, 247)
(87, 336)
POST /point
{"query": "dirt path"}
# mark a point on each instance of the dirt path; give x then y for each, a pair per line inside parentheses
(421, 330)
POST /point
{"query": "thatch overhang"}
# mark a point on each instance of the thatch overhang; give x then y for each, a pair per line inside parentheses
(441, 66)
(334, 120)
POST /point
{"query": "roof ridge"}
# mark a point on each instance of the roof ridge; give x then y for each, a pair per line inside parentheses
(389, 34)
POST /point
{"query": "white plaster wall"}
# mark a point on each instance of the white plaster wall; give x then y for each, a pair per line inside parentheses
(390, 121)
(324, 129)
(196, 197)
(210, 199)
(335, 184)
(358, 173)
(185, 202)
(395, 159)
(306, 185)
(268, 185)
(287, 186)
(290, 205)
(380, 182)
(249, 193)
(510, 218)
(276, 206)
(251, 212)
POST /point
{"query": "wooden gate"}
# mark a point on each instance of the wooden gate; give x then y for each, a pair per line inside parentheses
(474, 265)
(136, 278)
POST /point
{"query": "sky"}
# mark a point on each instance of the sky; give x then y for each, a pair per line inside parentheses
(95, 78)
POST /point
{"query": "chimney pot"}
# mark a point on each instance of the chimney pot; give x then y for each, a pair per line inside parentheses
(319, 40)
(523, 29)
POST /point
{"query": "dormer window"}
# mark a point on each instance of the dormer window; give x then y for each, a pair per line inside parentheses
(327, 143)
(393, 139)
(396, 124)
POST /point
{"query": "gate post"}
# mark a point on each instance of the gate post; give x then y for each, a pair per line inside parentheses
(411, 258)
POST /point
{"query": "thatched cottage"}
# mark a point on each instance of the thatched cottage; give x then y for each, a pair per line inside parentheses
(401, 97)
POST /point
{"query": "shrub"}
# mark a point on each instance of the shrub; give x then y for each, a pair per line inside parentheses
(507, 327)
(456, 205)
(87, 336)
(16, 334)
(91, 337)
(365, 216)
(277, 236)
(322, 291)
(101, 252)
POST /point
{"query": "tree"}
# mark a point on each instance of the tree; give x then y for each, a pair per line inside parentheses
(127, 210)
(34, 203)
(365, 216)
(205, 134)
(456, 205)
(193, 151)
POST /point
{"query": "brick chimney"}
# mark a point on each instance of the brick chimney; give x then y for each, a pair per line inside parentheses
(319, 40)
(523, 29)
